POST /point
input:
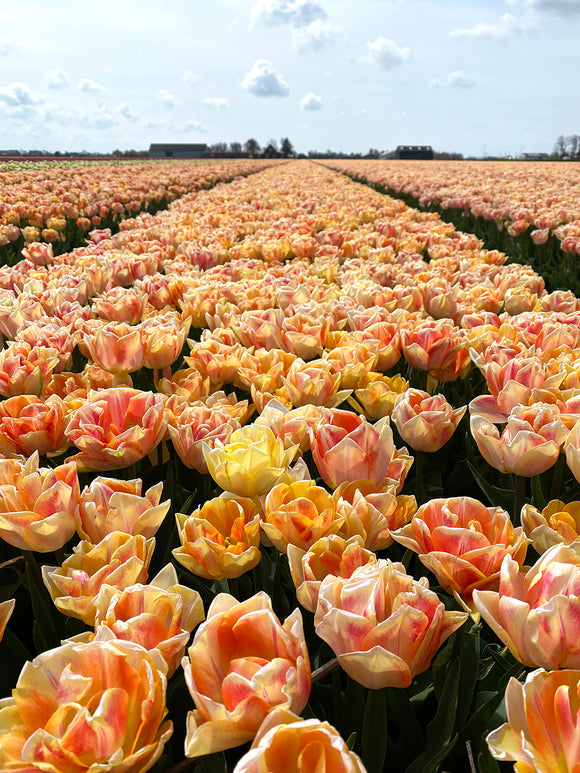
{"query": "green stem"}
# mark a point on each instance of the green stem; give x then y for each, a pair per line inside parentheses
(374, 734)
(557, 473)
(519, 497)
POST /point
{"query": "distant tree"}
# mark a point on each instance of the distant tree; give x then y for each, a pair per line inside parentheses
(273, 143)
(117, 152)
(373, 153)
(252, 147)
(560, 147)
(573, 146)
(235, 147)
(286, 147)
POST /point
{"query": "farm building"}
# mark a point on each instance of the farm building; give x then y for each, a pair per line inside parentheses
(414, 151)
(177, 150)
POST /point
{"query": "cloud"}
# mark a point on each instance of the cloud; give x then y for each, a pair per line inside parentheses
(296, 13)
(8, 47)
(56, 114)
(100, 118)
(455, 79)
(315, 36)
(194, 126)
(57, 78)
(87, 85)
(189, 78)
(168, 99)
(507, 25)
(311, 102)
(18, 95)
(387, 54)
(218, 102)
(563, 7)
(125, 111)
(262, 81)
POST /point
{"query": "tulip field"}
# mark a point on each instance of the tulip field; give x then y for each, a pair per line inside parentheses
(289, 470)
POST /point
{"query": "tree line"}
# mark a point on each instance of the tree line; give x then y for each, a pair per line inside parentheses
(567, 148)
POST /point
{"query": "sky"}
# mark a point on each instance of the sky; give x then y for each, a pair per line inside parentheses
(499, 77)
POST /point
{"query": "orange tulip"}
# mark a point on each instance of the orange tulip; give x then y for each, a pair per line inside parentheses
(221, 539)
(315, 382)
(425, 422)
(243, 663)
(109, 505)
(383, 625)
(86, 707)
(287, 743)
(29, 424)
(37, 504)
(542, 732)
(6, 609)
(198, 425)
(463, 543)
(163, 338)
(25, 369)
(118, 559)
(121, 304)
(116, 347)
(557, 524)
(377, 394)
(116, 427)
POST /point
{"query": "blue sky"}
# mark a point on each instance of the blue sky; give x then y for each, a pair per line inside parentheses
(495, 77)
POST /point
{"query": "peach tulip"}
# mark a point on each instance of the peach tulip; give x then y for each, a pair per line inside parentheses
(121, 304)
(542, 732)
(315, 382)
(425, 422)
(163, 338)
(377, 394)
(557, 524)
(383, 625)
(251, 462)
(86, 707)
(243, 663)
(299, 514)
(572, 450)
(6, 610)
(109, 504)
(118, 559)
(198, 425)
(37, 504)
(116, 347)
(346, 447)
(116, 427)
(463, 543)
(285, 742)
(438, 347)
(25, 369)
(221, 539)
(29, 424)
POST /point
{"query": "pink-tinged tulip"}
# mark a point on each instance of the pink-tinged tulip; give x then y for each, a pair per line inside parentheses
(347, 447)
(264, 369)
(438, 347)
(557, 524)
(215, 360)
(116, 428)
(377, 394)
(109, 504)
(118, 348)
(251, 462)
(303, 333)
(299, 513)
(159, 616)
(198, 425)
(572, 449)
(86, 707)
(243, 663)
(536, 614)
(51, 336)
(37, 504)
(118, 559)
(388, 337)
(25, 369)
(333, 555)
(221, 539)
(314, 383)
(529, 445)
(6, 609)
(188, 383)
(383, 626)
(542, 734)
(287, 743)
(293, 425)
(463, 543)
(426, 423)
(121, 304)
(353, 362)
(29, 424)
(373, 512)
(163, 338)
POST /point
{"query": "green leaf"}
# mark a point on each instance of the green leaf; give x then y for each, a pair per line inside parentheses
(374, 734)
(213, 763)
(496, 495)
(400, 707)
(351, 740)
(469, 665)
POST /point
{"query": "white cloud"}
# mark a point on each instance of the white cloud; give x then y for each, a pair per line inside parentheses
(262, 81)
(125, 111)
(507, 25)
(387, 54)
(18, 94)
(455, 79)
(100, 118)
(194, 126)
(315, 36)
(88, 85)
(189, 78)
(57, 78)
(56, 114)
(8, 47)
(218, 102)
(168, 99)
(564, 7)
(311, 102)
(297, 13)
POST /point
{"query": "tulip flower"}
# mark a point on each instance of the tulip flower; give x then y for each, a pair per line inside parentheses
(25, 369)
(383, 625)
(121, 304)
(116, 427)
(346, 447)
(86, 707)
(251, 462)
(557, 524)
(109, 504)
(6, 609)
(377, 394)
(243, 663)
(163, 338)
(426, 423)
(463, 543)
(315, 382)
(438, 347)
(198, 425)
(118, 560)
(285, 742)
(29, 424)
(116, 347)
(221, 539)
(536, 614)
(542, 732)
(37, 504)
